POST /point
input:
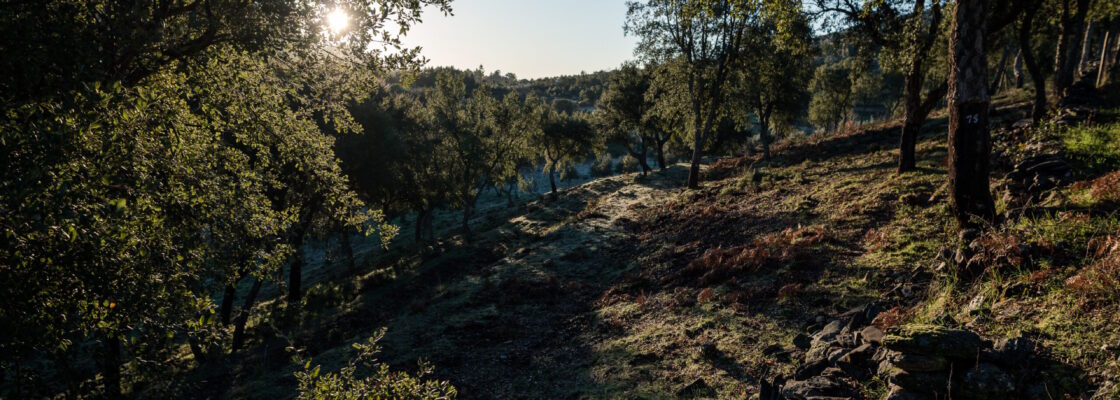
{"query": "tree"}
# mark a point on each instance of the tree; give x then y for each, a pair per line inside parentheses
(152, 154)
(771, 81)
(831, 102)
(1030, 59)
(623, 112)
(1069, 43)
(560, 140)
(906, 39)
(969, 138)
(705, 35)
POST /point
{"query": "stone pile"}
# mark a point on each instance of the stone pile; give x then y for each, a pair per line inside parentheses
(916, 361)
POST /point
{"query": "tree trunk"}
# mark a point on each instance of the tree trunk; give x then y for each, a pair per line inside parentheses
(1061, 48)
(1073, 28)
(969, 138)
(661, 152)
(1017, 69)
(111, 367)
(243, 317)
(227, 302)
(994, 87)
(418, 235)
(1102, 66)
(552, 177)
(1086, 48)
(643, 159)
(764, 134)
(912, 120)
(467, 221)
(694, 166)
(295, 272)
(1038, 110)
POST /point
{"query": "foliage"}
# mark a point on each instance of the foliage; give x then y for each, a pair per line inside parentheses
(156, 153)
(380, 383)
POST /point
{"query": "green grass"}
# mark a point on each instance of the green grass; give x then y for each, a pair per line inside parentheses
(1094, 149)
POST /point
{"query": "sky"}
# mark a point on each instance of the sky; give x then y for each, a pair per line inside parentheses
(531, 38)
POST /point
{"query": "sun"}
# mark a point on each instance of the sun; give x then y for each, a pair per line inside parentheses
(338, 20)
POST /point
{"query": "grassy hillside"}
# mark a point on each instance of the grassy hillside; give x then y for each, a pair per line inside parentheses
(630, 287)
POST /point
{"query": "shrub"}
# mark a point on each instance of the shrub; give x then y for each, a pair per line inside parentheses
(628, 164)
(380, 383)
(602, 167)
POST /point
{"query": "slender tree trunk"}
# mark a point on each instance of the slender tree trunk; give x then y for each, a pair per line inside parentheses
(1038, 110)
(643, 158)
(969, 138)
(1102, 66)
(694, 166)
(764, 134)
(1060, 50)
(1073, 30)
(243, 317)
(1017, 69)
(227, 302)
(912, 121)
(994, 87)
(295, 272)
(1086, 48)
(467, 209)
(111, 367)
(661, 152)
(552, 177)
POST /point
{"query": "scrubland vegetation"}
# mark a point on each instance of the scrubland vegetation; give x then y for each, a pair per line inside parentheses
(778, 199)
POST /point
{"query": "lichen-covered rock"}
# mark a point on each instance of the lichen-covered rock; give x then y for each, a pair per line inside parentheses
(934, 384)
(917, 362)
(933, 340)
(814, 387)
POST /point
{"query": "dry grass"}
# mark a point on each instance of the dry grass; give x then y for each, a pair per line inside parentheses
(717, 265)
(1101, 279)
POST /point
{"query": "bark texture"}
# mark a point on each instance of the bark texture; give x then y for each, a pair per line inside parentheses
(969, 138)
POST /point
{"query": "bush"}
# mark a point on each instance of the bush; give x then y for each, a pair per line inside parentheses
(628, 164)
(380, 383)
(602, 167)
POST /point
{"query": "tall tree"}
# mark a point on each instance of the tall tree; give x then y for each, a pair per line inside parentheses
(706, 36)
(623, 112)
(907, 38)
(969, 137)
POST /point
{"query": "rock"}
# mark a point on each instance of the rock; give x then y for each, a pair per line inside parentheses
(987, 381)
(768, 390)
(818, 351)
(899, 393)
(1013, 351)
(698, 388)
(917, 362)
(933, 340)
(859, 354)
(829, 331)
(871, 335)
(802, 341)
(976, 305)
(934, 384)
(815, 387)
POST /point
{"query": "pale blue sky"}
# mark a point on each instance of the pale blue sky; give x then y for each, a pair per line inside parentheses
(531, 38)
